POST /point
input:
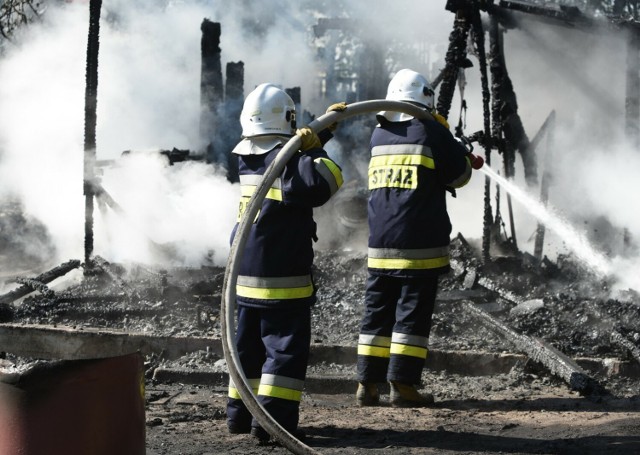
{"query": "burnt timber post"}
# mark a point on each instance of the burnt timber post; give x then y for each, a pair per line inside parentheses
(296, 96)
(456, 55)
(500, 78)
(468, 18)
(211, 89)
(478, 36)
(506, 109)
(90, 120)
(234, 87)
(233, 100)
(372, 77)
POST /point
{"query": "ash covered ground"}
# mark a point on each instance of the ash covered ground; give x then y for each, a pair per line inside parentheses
(560, 303)
(527, 410)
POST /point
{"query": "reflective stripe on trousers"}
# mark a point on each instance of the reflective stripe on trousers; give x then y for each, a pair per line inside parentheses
(271, 385)
(398, 343)
(275, 288)
(408, 259)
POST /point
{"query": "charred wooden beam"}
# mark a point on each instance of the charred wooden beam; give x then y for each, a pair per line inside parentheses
(563, 15)
(568, 15)
(372, 76)
(505, 110)
(107, 268)
(436, 80)
(614, 335)
(104, 196)
(539, 351)
(295, 94)
(231, 130)
(478, 38)
(211, 88)
(90, 108)
(620, 340)
(234, 87)
(34, 284)
(334, 23)
(455, 59)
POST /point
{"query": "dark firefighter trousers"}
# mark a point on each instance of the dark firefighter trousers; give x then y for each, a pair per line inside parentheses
(273, 346)
(395, 328)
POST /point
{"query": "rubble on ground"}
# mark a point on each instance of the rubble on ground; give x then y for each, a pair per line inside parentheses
(560, 304)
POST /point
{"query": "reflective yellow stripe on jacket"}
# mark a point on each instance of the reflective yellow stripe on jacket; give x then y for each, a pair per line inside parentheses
(248, 185)
(330, 172)
(415, 259)
(274, 288)
(396, 166)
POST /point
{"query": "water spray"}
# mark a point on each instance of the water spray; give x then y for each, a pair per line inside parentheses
(574, 240)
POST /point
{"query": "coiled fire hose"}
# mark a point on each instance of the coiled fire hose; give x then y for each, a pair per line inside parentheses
(227, 306)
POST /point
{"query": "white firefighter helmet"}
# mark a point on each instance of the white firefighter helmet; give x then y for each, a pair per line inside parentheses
(408, 85)
(268, 110)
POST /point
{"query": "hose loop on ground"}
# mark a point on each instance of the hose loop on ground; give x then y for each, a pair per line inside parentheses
(227, 306)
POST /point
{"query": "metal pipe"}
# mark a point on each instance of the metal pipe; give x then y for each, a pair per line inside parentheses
(227, 306)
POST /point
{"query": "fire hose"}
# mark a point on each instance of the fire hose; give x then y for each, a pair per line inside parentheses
(227, 306)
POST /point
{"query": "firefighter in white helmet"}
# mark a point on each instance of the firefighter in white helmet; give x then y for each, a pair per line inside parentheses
(413, 164)
(275, 289)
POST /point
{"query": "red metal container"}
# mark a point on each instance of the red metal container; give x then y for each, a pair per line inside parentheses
(71, 407)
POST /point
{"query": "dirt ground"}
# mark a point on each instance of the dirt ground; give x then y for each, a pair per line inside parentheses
(525, 411)
(536, 416)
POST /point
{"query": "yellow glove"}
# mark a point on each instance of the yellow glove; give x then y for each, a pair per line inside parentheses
(336, 107)
(440, 119)
(310, 140)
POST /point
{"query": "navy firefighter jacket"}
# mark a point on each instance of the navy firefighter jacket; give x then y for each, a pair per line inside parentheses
(275, 270)
(412, 164)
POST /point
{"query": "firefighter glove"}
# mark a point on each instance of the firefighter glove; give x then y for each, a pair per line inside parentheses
(309, 139)
(336, 107)
(440, 119)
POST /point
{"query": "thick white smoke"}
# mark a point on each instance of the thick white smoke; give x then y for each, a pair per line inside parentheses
(148, 97)
(581, 76)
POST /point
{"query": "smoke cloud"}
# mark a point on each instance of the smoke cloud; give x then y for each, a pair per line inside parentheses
(148, 99)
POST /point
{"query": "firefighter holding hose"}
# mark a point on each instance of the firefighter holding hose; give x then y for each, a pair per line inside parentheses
(413, 164)
(275, 290)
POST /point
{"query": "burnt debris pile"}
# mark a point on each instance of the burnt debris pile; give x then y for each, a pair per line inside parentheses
(557, 315)
(137, 299)
(560, 303)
